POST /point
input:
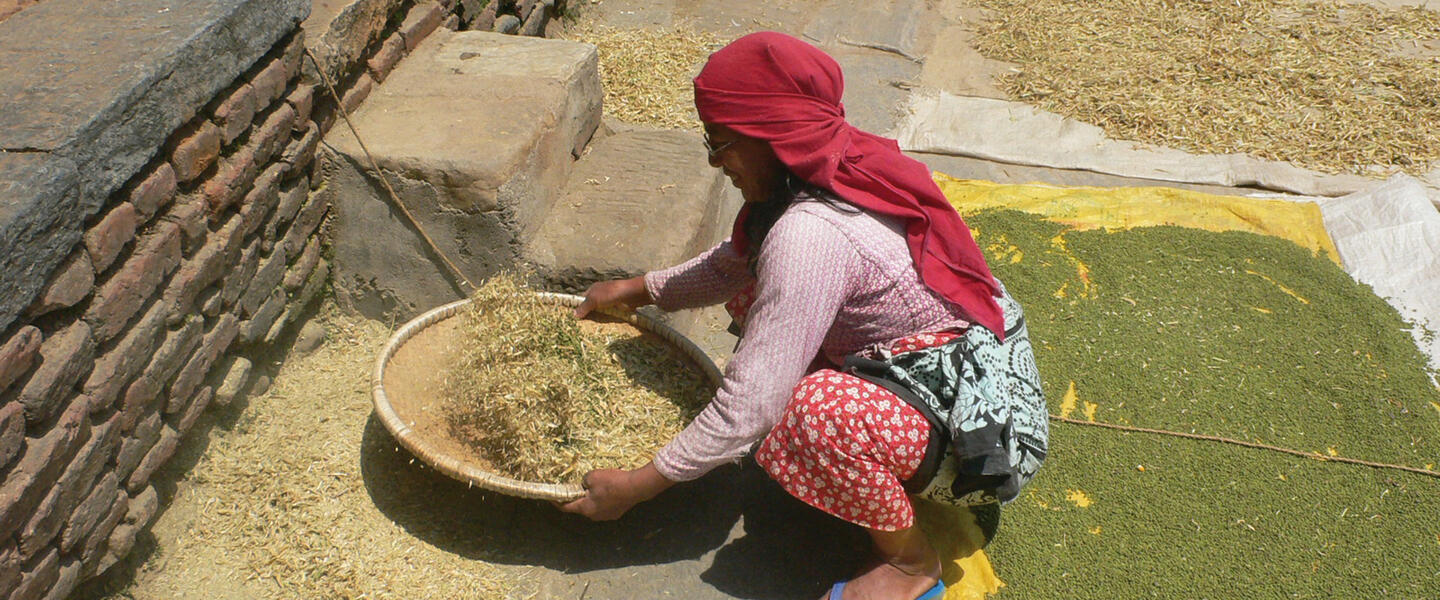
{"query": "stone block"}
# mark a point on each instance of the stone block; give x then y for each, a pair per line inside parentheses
(156, 255)
(18, 353)
(193, 149)
(158, 455)
(421, 21)
(97, 541)
(197, 407)
(152, 189)
(299, 272)
(216, 341)
(45, 458)
(176, 61)
(135, 447)
(340, 33)
(41, 216)
(118, 366)
(38, 579)
(106, 239)
(631, 181)
(236, 374)
(255, 329)
(390, 52)
(89, 512)
(476, 132)
(65, 356)
(507, 24)
(72, 283)
(302, 99)
(12, 433)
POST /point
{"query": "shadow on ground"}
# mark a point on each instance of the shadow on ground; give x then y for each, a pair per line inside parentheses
(744, 536)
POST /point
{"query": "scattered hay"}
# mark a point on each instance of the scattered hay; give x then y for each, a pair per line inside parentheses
(1330, 86)
(647, 72)
(546, 397)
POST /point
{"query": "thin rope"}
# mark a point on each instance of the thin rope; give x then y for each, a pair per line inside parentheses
(1256, 445)
(457, 277)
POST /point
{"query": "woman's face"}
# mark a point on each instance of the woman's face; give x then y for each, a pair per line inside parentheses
(749, 162)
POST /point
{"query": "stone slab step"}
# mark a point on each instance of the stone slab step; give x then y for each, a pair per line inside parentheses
(477, 132)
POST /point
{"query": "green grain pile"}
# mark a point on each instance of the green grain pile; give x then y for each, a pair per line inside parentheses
(546, 397)
(1333, 86)
(1229, 334)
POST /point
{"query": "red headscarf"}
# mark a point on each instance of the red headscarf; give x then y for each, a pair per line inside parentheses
(782, 90)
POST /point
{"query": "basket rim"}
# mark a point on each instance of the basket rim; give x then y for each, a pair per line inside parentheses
(461, 470)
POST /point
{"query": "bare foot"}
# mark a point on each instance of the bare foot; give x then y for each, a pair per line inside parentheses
(886, 581)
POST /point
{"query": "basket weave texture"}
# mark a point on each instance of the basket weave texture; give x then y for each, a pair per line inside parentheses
(464, 470)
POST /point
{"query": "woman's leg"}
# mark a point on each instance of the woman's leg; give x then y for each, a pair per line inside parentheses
(844, 446)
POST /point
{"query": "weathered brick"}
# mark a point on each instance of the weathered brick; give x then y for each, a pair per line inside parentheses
(486, 19)
(66, 581)
(67, 492)
(173, 353)
(314, 285)
(266, 279)
(206, 267)
(452, 22)
(107, 238)
(157, 253)
(89, 512)
(302, 99)
(152, 190)
(98, 539)
(301, 152)
(158, 455)
(10, 567)
(64, 357)
(39, 468)
(261, 200)
(216, 341)
(38, 578)
(296, 275)
(142, 508)
(239, 278)
(197, 407)
(18, 353)
(115, 369)
(12, 432)
(385, 59)
(259, 324)
(269, 83)
(231, 180)
(233, 112)
(325, 114)
(305, 223)
(211, 302)
(193, 148)
(272, 134)
(292, 196)
(358, 92)
(189, 215)
(237, 374)
(293, 55)
(138, 445)
(422, 20)
(72, 282)
(523, 8)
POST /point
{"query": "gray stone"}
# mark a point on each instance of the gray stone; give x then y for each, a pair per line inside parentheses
(312, 336)
(40, 222)
(507, 24)
(638, 200)
(237, 373)
(476, 132)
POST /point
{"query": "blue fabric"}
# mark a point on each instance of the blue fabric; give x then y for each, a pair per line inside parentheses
(934, 593)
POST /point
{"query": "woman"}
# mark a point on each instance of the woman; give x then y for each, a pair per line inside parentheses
(878, 356)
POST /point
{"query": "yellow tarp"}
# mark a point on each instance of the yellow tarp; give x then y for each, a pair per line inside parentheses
(1124, 208)
(967, 572)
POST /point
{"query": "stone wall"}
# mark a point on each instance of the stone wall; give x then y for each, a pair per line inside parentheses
(157, 231)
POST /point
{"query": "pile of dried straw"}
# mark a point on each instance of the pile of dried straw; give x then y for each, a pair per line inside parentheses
(647, 72)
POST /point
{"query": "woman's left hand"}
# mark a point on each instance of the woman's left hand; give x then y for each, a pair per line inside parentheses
(609, 493)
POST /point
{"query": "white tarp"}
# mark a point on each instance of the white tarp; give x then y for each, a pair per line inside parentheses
(1388, 233)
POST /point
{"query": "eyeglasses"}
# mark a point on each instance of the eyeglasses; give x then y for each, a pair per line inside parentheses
(713, 150)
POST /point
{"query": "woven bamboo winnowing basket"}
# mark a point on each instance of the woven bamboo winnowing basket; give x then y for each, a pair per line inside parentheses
(464, 470)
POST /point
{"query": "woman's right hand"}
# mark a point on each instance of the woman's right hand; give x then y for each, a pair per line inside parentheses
(606, 294)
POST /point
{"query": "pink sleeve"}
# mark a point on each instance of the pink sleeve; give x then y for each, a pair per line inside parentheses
(711, 278)
(805, 266)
